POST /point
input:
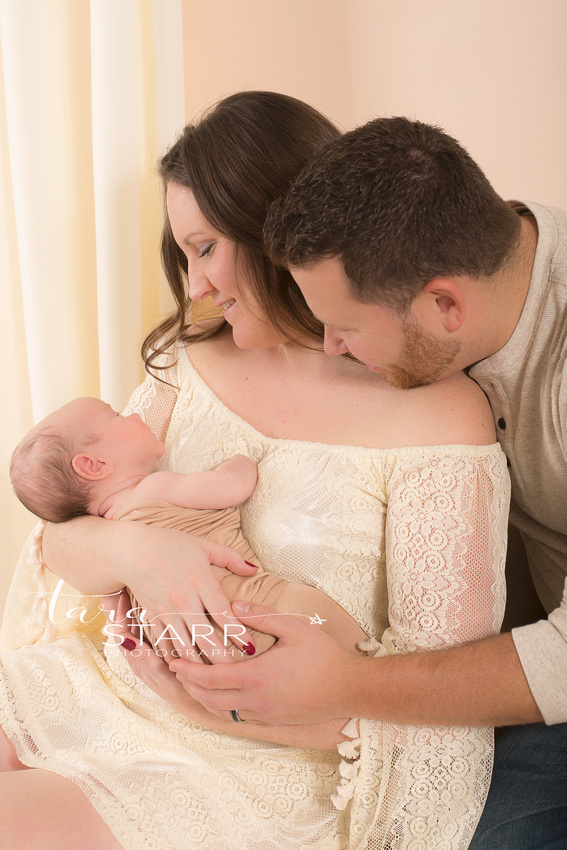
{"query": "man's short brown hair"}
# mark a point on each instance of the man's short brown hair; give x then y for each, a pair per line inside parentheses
(400, 203)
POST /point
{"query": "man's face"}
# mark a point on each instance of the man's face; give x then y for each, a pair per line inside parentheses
(395, 346)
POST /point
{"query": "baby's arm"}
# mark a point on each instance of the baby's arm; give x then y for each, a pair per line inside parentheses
(228, 484)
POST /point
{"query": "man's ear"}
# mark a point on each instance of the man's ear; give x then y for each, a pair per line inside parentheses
(442, 300)
(88, 467)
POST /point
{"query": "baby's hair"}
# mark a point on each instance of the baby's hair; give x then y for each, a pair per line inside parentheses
(44, 480)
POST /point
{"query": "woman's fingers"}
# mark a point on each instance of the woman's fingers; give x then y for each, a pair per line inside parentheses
(115, 607)
(217, 605)
(109, 605)
(216, 702)
(215, 637)
(177, 589)
(224, 556)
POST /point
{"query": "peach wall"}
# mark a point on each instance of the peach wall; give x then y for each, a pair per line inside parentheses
(492, 72)
(299, 47)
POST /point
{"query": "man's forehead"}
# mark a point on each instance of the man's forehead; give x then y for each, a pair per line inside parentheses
(325, 266)
(326, 283)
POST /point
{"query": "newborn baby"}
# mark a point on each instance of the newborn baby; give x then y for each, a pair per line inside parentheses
(87, 459)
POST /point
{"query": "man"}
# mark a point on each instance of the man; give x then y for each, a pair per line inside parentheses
(415, 265)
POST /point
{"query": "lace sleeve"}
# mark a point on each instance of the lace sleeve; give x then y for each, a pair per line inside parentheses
(446, 543)
(155, 399)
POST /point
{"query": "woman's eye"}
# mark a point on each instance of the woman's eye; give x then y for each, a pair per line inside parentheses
(206, 250)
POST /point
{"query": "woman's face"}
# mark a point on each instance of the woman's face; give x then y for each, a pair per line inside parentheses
(216, 270)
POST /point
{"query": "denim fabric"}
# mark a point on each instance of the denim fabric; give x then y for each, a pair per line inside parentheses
(526, 807)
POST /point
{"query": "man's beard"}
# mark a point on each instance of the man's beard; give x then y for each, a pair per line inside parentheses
(423, 360)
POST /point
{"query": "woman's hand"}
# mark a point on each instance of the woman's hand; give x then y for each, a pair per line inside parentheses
(168, 572)
(175, 587)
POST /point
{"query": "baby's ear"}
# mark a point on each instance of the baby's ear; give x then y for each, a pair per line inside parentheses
(88, 467)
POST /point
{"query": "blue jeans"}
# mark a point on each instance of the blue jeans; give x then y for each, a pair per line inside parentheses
(526, 807)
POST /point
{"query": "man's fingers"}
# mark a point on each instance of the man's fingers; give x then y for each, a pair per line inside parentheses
(283, 626)
(217, 702)
(207, 677)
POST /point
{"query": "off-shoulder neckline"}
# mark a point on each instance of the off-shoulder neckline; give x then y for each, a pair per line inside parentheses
(449, 449)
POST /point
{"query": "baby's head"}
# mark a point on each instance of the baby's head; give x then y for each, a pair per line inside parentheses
(78, 454)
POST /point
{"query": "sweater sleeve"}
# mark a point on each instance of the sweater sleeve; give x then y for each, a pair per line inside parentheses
(542, 648)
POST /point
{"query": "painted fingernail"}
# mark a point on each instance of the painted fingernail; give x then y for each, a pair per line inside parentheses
(128, 644)
(251, 565)
(249, 648)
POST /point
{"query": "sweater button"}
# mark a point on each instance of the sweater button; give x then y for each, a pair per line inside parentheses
(502, 423)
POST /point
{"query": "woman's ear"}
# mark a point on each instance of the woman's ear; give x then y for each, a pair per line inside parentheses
(444, 299)
(88, 467)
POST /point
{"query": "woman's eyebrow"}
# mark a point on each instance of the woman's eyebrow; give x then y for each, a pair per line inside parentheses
(192, 235)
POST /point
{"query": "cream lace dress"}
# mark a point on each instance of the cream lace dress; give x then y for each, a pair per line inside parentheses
(410, 541)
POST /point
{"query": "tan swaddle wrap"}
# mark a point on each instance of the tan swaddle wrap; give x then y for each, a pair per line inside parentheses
(223, 526)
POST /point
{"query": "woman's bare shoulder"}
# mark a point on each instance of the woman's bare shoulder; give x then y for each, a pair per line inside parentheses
(449, 412)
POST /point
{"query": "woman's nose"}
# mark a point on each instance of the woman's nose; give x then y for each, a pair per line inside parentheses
(199, 284)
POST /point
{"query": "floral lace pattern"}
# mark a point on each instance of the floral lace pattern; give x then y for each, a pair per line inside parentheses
(411, 542)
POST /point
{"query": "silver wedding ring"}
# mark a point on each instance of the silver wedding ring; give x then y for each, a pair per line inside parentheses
(236, 717)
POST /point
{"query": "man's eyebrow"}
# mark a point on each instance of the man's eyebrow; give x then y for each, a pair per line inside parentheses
(331, 325)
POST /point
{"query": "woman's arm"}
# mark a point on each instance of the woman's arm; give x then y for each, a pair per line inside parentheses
(168, 572)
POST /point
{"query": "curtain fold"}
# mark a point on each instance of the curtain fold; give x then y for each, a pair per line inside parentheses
(90, 94)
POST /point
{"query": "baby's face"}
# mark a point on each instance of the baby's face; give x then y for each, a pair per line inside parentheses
(125, 440)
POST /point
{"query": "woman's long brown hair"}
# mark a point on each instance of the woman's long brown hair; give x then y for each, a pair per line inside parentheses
(240, 157)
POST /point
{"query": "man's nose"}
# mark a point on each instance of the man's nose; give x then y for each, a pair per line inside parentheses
(333, 343)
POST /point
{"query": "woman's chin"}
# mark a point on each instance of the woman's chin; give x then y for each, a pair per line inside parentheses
(258, 337)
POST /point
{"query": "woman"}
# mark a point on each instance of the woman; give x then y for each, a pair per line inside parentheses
(409, 540)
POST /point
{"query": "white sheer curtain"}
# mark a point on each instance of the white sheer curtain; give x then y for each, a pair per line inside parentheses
(91, 91)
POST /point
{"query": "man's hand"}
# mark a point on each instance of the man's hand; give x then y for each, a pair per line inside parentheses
(303, 679)
(154, 672)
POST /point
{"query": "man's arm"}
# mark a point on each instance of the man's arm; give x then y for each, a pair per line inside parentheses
(479, 684)
(228, 484)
